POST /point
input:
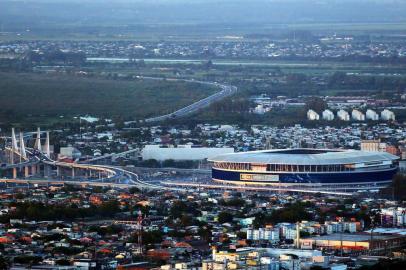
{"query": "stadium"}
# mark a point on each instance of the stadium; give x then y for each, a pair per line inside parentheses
(310, 168)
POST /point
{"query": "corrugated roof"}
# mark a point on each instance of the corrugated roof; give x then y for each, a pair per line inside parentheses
(305, 156)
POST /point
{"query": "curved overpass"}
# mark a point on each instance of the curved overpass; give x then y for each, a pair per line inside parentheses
(116, 176)
(226, 90)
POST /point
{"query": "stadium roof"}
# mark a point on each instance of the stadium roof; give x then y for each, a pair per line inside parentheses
(305, 156)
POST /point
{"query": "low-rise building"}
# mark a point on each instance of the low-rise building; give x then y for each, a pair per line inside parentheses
(387, 115)
(357, 115)
(343, 115)
(371, 115)
(312, 115)
(328, 115)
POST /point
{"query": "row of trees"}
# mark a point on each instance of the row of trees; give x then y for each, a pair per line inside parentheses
(41, 211)
(290, 213)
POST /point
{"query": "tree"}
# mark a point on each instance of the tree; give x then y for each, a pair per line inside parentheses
(153, 237)
(109, 208)
(152, 163)
(134, 190)
(225, 217)
(19, 196)
(25, 259)
(177, 209)
(316, 104)
(337, 78)
(316, 267)
(63, 262)
(399, 187)
(168, 163)
(205, 233)
(4, 263)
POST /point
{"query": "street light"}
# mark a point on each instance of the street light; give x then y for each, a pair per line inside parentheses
(372, 216)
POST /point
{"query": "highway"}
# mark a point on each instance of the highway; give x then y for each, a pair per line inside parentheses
(115, 175)
(253, 188)
(23, 161)
(122, 178)
(112, 176)
(226, 90)
(114, 155)
(69, 182)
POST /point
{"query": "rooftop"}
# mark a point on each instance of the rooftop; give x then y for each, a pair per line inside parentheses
(305, 156)
(356, 237)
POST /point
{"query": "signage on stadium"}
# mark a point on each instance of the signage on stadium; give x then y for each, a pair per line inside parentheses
(259, 177)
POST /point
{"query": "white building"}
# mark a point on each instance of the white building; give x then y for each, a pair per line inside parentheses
(334, 227)
(350, 227)
(357, 115)
(395, 216)
(69, 152)
(312, 115)
(260, 109)
(267, 234)
(373, 146)
(328, 115)
(343, 115)
(182, 152)
(290, 233)
(387, 115)
(372, 115)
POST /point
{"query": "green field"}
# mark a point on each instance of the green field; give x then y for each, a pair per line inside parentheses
(24, 96)
(196, 32)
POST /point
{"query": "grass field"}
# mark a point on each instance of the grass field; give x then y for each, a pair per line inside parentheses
(24, 96)
(196, 32)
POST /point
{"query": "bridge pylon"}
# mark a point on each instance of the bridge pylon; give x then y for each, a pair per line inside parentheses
(14, 146)
(13, 139)
(47, 149)
(37, 144)
(23, 153)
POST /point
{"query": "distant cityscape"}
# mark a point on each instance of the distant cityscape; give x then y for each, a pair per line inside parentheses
(202, 135)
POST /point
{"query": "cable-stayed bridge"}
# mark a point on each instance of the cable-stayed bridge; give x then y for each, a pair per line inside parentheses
(34, 165)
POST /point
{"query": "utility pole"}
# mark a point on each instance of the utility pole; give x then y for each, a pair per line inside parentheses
(80, 127)
(372, 232)
(139, 232)
(298, 235)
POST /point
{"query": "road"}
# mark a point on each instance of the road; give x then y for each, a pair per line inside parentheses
(252, 188)
(114, 155)
(121, 178)
(226, 90)
(115, 175)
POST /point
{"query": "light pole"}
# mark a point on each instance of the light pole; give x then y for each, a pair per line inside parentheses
(372, 231)
(372, 216)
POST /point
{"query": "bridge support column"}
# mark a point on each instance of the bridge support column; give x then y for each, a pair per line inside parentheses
(14, 173)
(26, 171)
(58, 171)
(47, 171)
(34, 169)
(73, 172)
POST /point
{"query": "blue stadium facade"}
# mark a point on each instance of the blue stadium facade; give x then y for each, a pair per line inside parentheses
(338, 169)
